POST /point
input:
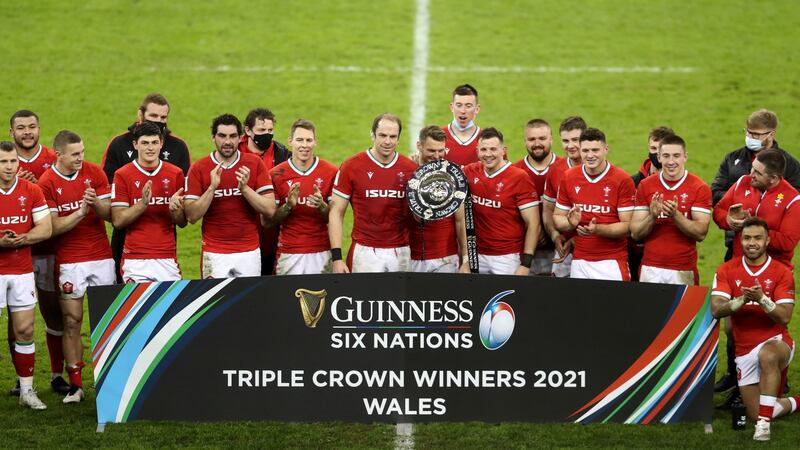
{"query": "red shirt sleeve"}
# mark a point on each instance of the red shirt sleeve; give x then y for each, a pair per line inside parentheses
(702, 203)
(262, 182)
(100, 183)
(119, 191)
(47, 191)
(342, 184)
(785, 238)
(563, 196)
(720, 285)
(194, 183)
(784, 290)
(627, 195)
(526, 196)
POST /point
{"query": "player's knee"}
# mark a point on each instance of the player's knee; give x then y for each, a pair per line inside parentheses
(71, 324)
(24, 332)
(769, 356)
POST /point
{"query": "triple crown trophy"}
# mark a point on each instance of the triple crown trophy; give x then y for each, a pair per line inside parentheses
(435, 191)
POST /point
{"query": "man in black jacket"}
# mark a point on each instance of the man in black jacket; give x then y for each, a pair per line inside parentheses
(759, 134)
(120, 151)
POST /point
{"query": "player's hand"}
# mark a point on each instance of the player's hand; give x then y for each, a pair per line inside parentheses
(176, 201)
(339, 267)
(147, 193)
(27, 175)
(735, 303)
(315, 200)
(574, 216)
(589, 229)
(522, 270)
(754, 293)
(736, 217)
(563, 248)
(7, 238)
(656, 205)
(216, 175)
(243, 176)
(293, 195)
(670, 207)
(464, 268)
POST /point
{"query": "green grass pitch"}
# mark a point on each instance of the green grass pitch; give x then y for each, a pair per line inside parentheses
(624, 65)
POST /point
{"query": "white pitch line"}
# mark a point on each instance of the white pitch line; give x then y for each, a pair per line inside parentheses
(404, 436)
(433, 69)
(419, 73)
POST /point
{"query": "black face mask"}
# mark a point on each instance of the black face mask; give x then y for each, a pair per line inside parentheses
(161, 126)
(263, 141)
(654, 160)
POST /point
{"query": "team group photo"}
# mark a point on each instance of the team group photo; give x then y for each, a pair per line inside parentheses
(564, 171)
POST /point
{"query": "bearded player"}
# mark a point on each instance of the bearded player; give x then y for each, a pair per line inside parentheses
(227, 189)
(596, 200)
(537, 163)
(570, 133)
(34, 160)
(25, 221)
(757, 292)
(146, 201)
(78, 194)
(302, 187)
(374, 182)
(671, 215)
(437, 245)
(506, 209)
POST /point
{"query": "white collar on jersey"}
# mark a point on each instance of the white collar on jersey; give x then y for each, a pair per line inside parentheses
(218, 163)
(537, 171)
(569, 162)
(760, 271)
(149, 173)
(597, 178)
(66, 177)
(32, 158)
(469, 139)
(307, 171)
(11, 189)
(677, 185)
(499, 171)
(380, 164)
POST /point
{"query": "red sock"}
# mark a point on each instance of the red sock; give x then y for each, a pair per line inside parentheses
(766, 406)
(24, 359)
(55, 348)
(74, 373)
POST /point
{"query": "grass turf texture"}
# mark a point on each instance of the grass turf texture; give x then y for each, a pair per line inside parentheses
(85, 66)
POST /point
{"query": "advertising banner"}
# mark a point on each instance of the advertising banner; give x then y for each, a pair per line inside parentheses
(403, 347)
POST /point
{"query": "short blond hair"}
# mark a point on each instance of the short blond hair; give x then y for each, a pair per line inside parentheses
(763, 118)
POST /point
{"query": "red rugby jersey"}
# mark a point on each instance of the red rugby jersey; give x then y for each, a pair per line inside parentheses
(779, 207)
(553, 179)
(603, 198)
(539, 178)
(230, 224)
(304, 230)
(88, 241)
(666, 246)
(151, 235)
(38, 164)
(751, 325)
(497, 200)
(21, 205)
(377, 193)
(433, 239)
(458, 151)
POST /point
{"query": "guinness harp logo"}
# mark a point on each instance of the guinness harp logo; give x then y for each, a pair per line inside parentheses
(312, 305)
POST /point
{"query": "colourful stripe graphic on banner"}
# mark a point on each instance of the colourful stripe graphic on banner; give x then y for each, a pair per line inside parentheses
(669, 373)
(142, 324)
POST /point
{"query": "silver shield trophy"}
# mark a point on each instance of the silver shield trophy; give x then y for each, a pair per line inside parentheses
(435, 191)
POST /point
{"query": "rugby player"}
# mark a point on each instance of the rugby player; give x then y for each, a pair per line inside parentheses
(259, 129)
(34, 160)
(78, 194)
(437, 245)
(374, 182)
(757, 292)
(537, 163)
(506, 209)
(652, 165)
(227, 190)
(147, 202)
(302, 187)
(462, 133)
(671, 215)
(596, 200)
(569, 132)
(24, 221)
